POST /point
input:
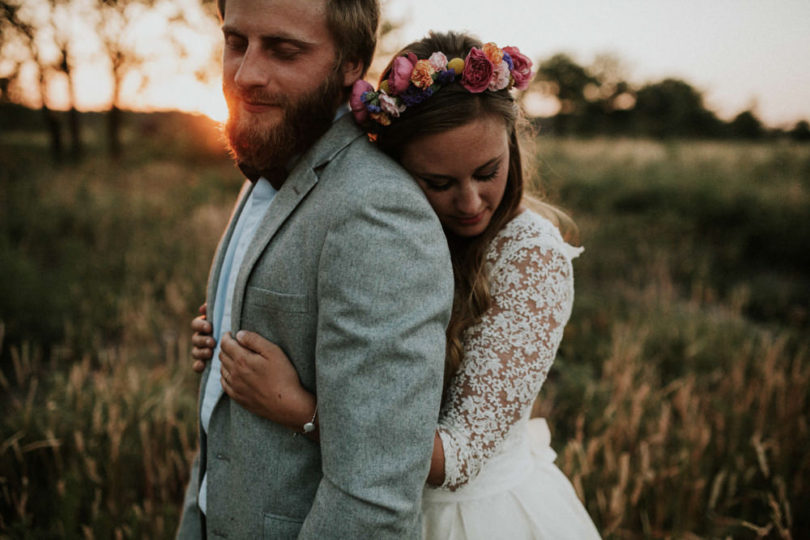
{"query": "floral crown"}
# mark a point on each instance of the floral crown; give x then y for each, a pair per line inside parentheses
(412, 81)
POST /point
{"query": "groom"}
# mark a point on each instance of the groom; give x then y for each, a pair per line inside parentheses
(333, 254)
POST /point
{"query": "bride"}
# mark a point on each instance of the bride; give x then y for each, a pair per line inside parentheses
(445, 112)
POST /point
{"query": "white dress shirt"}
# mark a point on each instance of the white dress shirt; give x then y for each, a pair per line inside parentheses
(255, 207)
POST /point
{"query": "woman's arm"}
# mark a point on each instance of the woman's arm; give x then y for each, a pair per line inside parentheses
(508, 353)
(258, 376)
(436, 474)
(293, 406)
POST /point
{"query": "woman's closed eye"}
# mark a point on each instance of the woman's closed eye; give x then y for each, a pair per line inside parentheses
(436, 185)
(487, 175)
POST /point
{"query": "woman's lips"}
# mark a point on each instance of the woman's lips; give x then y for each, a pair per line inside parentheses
(473, 220)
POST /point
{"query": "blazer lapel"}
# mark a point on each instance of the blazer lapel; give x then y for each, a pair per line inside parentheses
(216, 270)
(300, 181)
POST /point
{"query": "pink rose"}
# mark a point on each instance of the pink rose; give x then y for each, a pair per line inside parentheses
(389, 104)
(356, 100)
(400, 75)
(477, 71)
(522, 67)
(500, 78)
(439, 61)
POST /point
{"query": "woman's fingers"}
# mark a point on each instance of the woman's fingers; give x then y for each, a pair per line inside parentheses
(201, 326)
(256, 343)
(203, 341)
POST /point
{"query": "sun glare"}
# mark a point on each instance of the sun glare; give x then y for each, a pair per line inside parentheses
(184, 94)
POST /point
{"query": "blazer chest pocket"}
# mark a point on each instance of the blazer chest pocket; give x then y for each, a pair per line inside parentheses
(276, 301)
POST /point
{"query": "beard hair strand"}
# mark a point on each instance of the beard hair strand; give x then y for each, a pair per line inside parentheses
(303, 122)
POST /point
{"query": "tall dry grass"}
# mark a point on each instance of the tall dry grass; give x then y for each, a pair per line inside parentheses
(679, 402)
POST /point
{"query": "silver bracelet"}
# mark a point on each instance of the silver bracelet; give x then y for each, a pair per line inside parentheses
(309, 427)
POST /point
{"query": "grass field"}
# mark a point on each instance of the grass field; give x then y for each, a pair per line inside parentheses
(679, 403)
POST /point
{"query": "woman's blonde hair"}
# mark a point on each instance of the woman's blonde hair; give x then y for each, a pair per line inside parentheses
(450, 107)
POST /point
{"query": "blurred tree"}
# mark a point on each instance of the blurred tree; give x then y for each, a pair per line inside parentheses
(673, 107)
(58, 22)
(801, 131)
(19, 25)
(746, 126)
(113, 19)
(610, 98)
(561, 77)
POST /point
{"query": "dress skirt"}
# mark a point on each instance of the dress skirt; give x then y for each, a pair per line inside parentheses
(519, 494)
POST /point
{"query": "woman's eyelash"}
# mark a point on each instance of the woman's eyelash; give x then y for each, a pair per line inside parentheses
(488, 176)
(436, 187)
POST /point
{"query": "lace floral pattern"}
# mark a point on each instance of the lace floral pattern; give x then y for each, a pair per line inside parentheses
(507, 355)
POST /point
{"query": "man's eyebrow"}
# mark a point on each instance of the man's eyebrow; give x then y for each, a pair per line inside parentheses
(270, 40)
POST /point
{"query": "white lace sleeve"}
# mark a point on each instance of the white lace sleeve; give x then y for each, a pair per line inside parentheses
(509, 352)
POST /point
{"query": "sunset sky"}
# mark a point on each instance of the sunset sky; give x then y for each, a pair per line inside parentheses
(741, 53)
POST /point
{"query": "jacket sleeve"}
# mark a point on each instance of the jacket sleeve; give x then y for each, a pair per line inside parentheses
(385, 294)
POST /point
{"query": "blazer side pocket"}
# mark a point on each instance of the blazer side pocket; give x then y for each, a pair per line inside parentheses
(280, 527)
(275, 301)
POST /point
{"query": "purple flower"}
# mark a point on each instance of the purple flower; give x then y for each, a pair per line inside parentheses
(446, 77)
(508, 60)
(414, 96)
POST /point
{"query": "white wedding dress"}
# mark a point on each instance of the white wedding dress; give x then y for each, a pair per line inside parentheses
(500, 477)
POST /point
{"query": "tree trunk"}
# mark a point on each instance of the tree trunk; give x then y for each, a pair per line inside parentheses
(54, 128)
(114, 132)
(74, 125)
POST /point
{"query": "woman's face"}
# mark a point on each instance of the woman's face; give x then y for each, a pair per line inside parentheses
(463, 172)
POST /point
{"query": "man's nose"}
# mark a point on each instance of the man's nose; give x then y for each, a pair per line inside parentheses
(253, 71)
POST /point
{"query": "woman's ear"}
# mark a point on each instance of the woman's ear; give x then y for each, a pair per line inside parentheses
(352, 71)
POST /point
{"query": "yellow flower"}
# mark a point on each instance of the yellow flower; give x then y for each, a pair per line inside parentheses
(384, 87)
(494, 54)
(457, 65)
(422, 75)
(381, 118)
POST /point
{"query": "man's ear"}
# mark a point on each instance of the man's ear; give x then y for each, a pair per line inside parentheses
(352, 70)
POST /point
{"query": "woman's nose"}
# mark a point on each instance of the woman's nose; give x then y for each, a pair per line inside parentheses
(468, 201)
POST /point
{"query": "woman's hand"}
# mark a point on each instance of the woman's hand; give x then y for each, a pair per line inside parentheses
(202, 343)
(258, 376)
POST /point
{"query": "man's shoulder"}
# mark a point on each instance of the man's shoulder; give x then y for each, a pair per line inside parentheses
(362, 172)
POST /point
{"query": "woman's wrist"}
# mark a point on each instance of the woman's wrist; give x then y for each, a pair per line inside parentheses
(297, 410)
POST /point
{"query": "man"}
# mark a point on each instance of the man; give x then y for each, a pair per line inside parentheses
(333, 254)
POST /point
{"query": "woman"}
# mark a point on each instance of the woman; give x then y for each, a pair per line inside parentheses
(444, 111)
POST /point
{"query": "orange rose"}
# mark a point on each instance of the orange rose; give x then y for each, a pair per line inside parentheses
(422, 76)
(494, 54)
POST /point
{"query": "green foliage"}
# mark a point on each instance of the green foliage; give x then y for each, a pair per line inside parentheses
(680, 396)
(678, 403)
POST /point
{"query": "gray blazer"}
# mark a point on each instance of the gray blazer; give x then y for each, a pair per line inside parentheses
(350, 275)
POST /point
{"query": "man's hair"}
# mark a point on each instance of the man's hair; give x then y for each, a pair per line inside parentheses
(353, 25)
